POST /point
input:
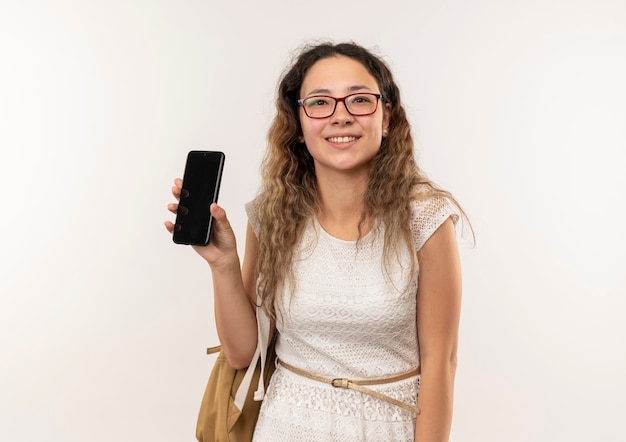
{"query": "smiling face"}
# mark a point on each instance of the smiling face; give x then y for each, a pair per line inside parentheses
(342, 142)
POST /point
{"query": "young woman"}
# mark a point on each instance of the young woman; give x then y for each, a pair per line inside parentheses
(353, 251)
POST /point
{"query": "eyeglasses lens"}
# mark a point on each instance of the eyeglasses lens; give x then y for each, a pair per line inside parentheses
(357, 104)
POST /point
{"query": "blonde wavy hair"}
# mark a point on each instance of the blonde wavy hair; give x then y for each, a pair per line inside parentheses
(288, 195)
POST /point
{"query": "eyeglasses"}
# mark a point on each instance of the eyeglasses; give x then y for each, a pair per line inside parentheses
(323, 106)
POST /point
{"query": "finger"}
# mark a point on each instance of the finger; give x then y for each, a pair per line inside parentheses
(218, 212)
(219, 215)
(176, 188)
(173, 207)
(169, 226)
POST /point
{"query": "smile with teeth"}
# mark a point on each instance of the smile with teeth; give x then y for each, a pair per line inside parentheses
(341, 139)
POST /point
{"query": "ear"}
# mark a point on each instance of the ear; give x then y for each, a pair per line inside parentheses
(386, 119)
(301, 139)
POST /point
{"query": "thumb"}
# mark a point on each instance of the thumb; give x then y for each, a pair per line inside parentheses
(218, 213)
(220, 218)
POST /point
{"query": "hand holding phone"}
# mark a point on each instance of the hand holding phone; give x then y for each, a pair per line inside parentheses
(200, 188)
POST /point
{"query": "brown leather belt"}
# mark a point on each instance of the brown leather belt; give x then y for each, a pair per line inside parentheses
(359, 385)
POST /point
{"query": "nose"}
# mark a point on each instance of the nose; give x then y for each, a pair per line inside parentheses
(341, 114)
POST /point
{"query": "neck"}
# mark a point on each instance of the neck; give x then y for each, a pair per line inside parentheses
(342, 206)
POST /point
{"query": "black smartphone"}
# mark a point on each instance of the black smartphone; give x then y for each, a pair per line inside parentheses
(201, 186)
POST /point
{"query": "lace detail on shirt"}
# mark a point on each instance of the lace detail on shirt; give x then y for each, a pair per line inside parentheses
(428, 216)
(299, 409)
(350, 316)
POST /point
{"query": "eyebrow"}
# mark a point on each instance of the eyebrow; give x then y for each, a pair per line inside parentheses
(355, 88)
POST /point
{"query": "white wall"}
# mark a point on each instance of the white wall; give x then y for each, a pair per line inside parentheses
(518, 109)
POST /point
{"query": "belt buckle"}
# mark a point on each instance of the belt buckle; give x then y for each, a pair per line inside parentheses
(340, 383)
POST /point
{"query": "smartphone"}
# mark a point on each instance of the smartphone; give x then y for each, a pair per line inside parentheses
(201, 186)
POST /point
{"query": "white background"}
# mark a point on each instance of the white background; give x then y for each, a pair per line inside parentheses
(518, 108)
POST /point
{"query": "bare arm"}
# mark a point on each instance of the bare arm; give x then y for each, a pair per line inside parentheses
(438, 313)
(234, 289)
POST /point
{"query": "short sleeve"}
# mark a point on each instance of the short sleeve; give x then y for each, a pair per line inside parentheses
(253, 217)
(428, 215)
